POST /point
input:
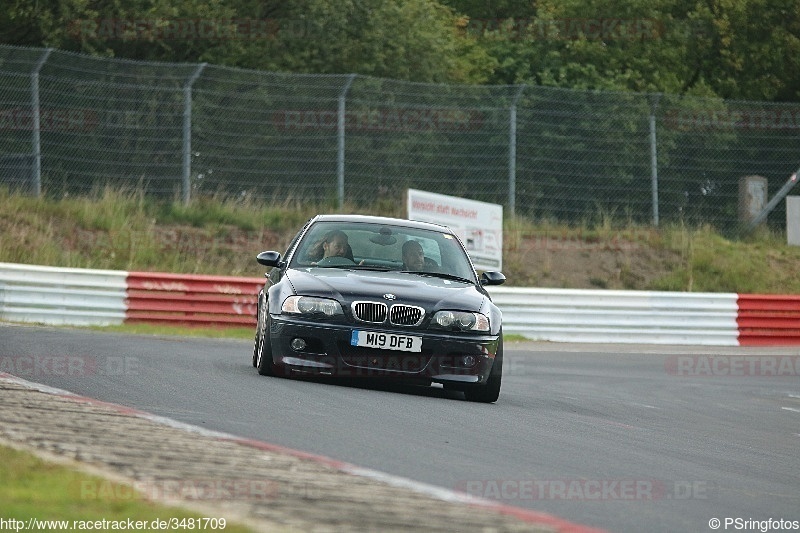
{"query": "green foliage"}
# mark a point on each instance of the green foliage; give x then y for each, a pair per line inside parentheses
(740, 49)
(736, 49)
(413, 40)
(127, 231)
(33, 488)
(417, 40)
(712, 263)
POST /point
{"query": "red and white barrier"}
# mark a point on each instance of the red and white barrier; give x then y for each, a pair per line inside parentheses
(768, 320)
(69, 296)
(191, 299)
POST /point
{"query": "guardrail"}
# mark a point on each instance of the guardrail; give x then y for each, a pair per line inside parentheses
(62, 296)
(192, 299)
(768, 319)
(606, 316)
(69, 296)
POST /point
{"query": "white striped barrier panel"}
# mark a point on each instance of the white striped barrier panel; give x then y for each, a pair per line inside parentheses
(606, 316)
(70, 296)
(62, 296)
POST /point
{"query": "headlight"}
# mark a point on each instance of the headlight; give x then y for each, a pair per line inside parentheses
(309, 305)
(461, 320)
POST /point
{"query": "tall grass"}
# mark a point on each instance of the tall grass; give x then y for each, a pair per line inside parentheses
(126, 230)
(711, 262)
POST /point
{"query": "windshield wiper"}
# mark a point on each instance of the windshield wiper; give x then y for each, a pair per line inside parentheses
(443, 275)
(371, 267)
(355, 267)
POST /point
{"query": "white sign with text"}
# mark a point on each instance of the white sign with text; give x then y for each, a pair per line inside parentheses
(478, 224)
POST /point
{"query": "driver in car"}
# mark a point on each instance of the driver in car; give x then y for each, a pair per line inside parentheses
(335, 244)
(414, 258)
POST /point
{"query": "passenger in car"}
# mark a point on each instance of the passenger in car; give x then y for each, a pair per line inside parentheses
(414, 258)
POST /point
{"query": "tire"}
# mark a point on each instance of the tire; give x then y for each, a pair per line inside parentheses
(256, 347)
(489, 391)
(263, 349)
(264, 363)
(259, 337)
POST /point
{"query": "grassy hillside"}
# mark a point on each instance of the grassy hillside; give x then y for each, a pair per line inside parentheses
(128, 231)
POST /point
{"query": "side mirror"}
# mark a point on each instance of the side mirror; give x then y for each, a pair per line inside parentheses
(492, 278)
(270, 259)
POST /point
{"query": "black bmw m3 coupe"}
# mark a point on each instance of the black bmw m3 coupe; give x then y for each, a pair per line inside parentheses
(380, 298)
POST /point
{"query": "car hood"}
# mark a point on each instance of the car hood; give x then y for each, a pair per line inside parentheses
(347, 286)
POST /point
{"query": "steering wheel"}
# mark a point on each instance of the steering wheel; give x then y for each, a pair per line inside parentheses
(335, 260)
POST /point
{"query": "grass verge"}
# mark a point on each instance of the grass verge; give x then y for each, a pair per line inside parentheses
(32, 488)
(157, 330)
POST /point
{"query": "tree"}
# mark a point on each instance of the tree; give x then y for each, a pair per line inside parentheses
(742, 49)
(416, 40)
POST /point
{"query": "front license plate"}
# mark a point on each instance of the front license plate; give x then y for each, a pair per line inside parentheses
(386, 341)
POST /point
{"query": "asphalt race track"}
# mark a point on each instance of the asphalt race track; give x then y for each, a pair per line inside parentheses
(633, 438)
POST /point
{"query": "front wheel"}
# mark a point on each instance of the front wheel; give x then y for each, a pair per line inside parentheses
(262, 355)
(489, 391)
(264, 363)
(256, 348)
(259, 334)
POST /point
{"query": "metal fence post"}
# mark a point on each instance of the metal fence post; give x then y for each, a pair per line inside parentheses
(340, 128)
(187, 133)
(36, 123)
(512, 153)
(654, 155)
(780, 195)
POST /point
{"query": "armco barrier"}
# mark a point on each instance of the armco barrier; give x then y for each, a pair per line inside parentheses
(69, 296)
(62, 296)
(605, 316)
(767, 319)
(192, 299)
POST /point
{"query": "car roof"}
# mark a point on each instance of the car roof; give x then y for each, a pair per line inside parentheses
(383, 220)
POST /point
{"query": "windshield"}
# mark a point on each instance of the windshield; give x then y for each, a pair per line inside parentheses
(360, 245)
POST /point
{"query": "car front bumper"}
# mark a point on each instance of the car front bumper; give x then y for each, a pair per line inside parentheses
(445, 357)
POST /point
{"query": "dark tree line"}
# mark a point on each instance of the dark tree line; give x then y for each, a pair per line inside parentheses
(732, 49)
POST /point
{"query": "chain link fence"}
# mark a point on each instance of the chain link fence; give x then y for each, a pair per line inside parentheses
(71, 123)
